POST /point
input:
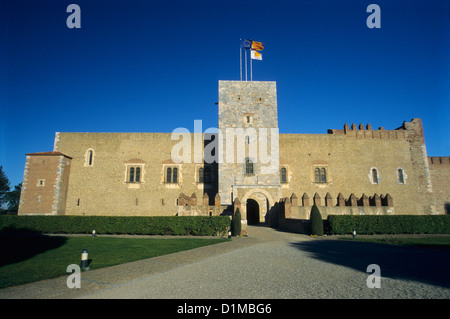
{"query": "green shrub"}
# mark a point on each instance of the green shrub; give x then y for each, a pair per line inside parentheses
(236, 223)
(390, 224)
(316, 221)
(160, 225)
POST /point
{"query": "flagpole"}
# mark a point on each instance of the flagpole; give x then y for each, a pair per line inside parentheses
(240, 61)
(251, 71)
(245, 64)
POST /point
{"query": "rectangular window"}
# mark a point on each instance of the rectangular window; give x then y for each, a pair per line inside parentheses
(172, 175)
(283, 175)
(248, 167)
(401, 177)
(134, 174)
(320, 175)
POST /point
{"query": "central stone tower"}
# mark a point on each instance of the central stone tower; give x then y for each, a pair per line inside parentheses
(249, 164)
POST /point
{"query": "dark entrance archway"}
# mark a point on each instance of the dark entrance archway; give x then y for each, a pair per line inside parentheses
(252, 212)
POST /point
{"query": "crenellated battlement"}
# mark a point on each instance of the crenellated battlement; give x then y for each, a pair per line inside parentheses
(294, 212)
(439, 160)
(367, 131)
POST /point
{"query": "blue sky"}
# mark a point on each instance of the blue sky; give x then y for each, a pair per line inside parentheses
(153, 66)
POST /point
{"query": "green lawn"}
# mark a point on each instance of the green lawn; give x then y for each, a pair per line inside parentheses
(430, 242)
(26, 259)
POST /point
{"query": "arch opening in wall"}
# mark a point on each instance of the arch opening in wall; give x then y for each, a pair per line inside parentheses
(252, 212)
(401, 176)
(89, 157)
(374, 175)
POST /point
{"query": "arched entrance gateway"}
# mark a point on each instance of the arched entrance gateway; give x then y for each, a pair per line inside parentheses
(252, 212)
(257, 203)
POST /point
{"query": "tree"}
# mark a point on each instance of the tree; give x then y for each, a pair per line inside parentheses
(236, 223)
(316, 221)
(12, 198)
(4, 186)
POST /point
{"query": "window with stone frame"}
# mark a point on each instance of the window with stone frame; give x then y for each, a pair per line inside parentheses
(171, 175)
(320, 175)
(89, 158)
(134, 174)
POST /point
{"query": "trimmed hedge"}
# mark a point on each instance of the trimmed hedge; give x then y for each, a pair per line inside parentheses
(389, 224)
(236, 223)
(316, 221)
(161, 225)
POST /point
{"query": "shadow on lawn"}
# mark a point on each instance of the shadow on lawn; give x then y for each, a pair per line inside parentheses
(400, 262)
(19, 245)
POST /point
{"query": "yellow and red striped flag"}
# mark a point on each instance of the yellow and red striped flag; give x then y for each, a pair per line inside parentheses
(257, 46)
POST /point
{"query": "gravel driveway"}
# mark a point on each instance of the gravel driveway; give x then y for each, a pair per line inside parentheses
(285, 265)
(269, 264)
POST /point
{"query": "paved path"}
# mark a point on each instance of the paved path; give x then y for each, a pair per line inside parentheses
(268, 264)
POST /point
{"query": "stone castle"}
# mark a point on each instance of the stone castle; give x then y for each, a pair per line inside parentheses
(356, 170)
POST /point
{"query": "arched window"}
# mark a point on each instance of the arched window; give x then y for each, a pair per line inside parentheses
(169, 175)
(374, 176)
(89, 158)
(248, 167)
(138, 175)
(135, 172)
(401, 176)
(283, 175)
(175, 175)
(200, 175)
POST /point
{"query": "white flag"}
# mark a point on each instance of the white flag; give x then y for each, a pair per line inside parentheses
(256, 55)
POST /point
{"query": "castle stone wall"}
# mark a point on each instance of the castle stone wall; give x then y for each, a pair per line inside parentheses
(103, 188)
(357, 170)
(440, 180)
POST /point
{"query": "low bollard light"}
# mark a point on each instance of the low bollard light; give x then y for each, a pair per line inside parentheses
(93, 233)
(354, 233)
(229, 234)
(84, 259)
